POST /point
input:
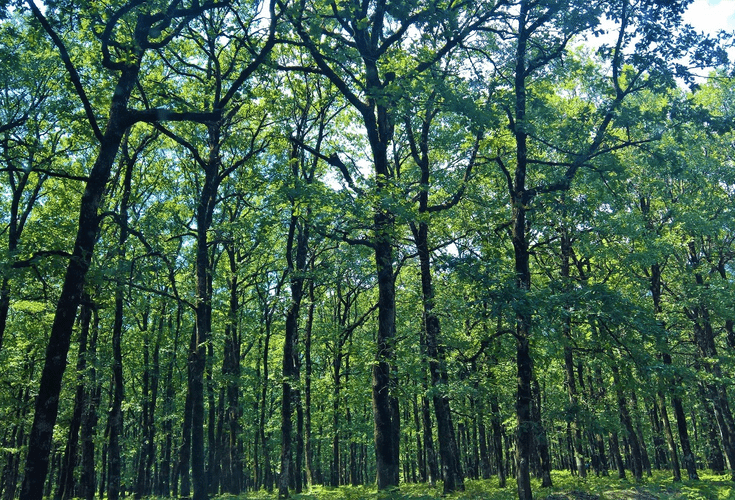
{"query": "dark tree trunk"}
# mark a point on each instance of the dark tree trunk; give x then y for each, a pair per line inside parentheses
(184, 463)
(232, 481)
(167, 476)
(17, 218)
(47, 401)
(675, 467)
(336, 374)
(659, 452)
(704, 338)
(11, 471)
(432, 466)
(519, 200)
(266, 478)
(92, 395)
(385, 402)
(615, 452)
(687, 456)
(448, 450)
(627, 422)
(484, 452)
(299, 472)
(420, 451)
(212, 466)
(66, 485)
(150, 443)
(645, 461)
(149, 394)
(496, 424)
(308, 445)
(541, 440)
(116, 415)
(575, 427)
(296, 254)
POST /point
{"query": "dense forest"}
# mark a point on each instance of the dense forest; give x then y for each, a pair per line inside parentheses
(282, 243)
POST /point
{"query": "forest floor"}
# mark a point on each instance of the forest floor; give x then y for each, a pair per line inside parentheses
(566, 487)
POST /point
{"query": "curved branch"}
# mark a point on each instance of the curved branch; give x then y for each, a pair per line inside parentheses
(70, 68)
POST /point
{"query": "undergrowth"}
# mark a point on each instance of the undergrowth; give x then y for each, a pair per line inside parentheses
(566, 487)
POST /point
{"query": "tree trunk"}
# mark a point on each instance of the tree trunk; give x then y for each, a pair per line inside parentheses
(615, 452)
(308, 445)
(575, 428)
(66, 486)
(336, 374)
(448, 451)
(542, 442)
(420, 451)
(433, 468)
(296, 254)
(184, 464)
(627, 422)
(232, 481)
(116, 415)
(496, 424)
(675, 467)
(92, 395)
(166, 474)
(47, 401)
(385, 402)
(687, 456)
(266, 479)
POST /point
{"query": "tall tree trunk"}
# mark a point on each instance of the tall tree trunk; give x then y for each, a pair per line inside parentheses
(519, 200)
(232, 480)
(657, 431)
(296, 254)
(308, 444)
(687, 456)
(92, 395)
(167, 476)
(16, 220)
(575, 428)
(66, 485)
(704, 338)
(385, 401)
(496, 424)
(116, 415)
(184, 462)
(420, 451)
(675, 467)
(299, 471)
(645, 461)
(336, 374)
(433, 467)
(266, 479)
(47, 401)
(141, 475)
(150, 441)
(688, 459)
(615, 452)
(212, 466)
(541, 441)
(11, 471)
(627, 422)
(448, 450)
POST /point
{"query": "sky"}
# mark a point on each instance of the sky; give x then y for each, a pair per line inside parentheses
(711, 16)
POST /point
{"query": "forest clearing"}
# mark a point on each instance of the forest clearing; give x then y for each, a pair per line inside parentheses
(402, 248)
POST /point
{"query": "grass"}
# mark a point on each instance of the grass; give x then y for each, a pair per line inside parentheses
(566, 487)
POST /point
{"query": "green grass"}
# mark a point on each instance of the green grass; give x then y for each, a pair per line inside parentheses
(566, 487)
